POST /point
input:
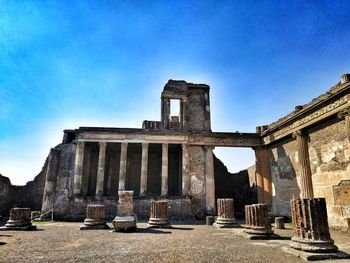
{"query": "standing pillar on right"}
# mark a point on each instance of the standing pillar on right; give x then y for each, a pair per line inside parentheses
(311, 239)
(263, 175)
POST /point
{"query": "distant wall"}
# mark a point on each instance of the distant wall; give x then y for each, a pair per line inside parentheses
(29, 195)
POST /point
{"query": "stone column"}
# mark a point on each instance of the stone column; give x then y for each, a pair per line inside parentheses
(306, 188)
(159, 214)
(122, 168)
(345, 114)
(257, 222)
(78, 168)
(209, 181)
(164, 190)
(263, 175)
(144, 170)
(101, 169)
(310, 226)
(19, 220)
(185, 174)
(95, 217)
(226, 217)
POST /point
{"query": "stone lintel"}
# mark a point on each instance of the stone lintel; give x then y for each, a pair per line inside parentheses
(306, 117)
(204, 138)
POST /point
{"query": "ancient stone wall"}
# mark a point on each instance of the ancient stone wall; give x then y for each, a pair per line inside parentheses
(198, 109)
(329, 151)
(236, 186)
(284, 170)
(197, 173)
(29, 195)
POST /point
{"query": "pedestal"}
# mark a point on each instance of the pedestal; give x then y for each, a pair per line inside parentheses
(311, 239)
(226, 218)
(125, 219)
(310, 226)
(95, 217)
(258, 225)
(19, 220)
(279, 223)
(159, 214)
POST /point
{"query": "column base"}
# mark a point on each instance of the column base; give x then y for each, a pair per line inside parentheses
(316, 246)
(312, 256)
(159, 223)
(225, 223)
(124, 223)
(94, 227)
(9, 227)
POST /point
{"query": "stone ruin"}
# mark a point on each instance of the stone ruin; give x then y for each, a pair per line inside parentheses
(125, 219)
(305, 154)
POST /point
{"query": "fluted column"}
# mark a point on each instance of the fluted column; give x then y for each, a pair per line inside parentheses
(259, 174)
(101, 169)
(304, 165)
(209, 181)
(164, 190)
(185, 174)
(122, 167)
(78, 168)
(144, 166)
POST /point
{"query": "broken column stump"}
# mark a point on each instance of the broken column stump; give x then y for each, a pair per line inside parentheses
(279, 223)
(95, 217)
(226, 217)
(311, 238)
(19, 220)
(258, 225)
(159, 214)
(125, 219)
(310, 226)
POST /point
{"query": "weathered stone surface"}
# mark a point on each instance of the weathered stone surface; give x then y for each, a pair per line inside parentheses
(159, 214)
(125, 219)
(226, 215)
(257, 223)
(95, 217)
(310, 226)
(19, 220)
(279, 223)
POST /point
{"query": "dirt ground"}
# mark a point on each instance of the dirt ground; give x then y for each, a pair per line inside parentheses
(186, 242)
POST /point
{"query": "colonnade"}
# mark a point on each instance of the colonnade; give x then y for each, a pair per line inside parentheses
(79, 160)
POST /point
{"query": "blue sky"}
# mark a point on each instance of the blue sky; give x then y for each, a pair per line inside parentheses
(65, 64)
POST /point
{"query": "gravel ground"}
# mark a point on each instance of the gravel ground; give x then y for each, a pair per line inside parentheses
(63, 242)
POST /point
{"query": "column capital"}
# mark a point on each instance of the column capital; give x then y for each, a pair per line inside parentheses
(344, 113)
(185, 145)
(102, 144)
(80, 143)
(209, 147)
(298, 133)
(145, 144)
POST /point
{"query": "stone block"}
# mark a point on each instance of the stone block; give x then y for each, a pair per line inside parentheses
(19, 220)
(125, 219)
